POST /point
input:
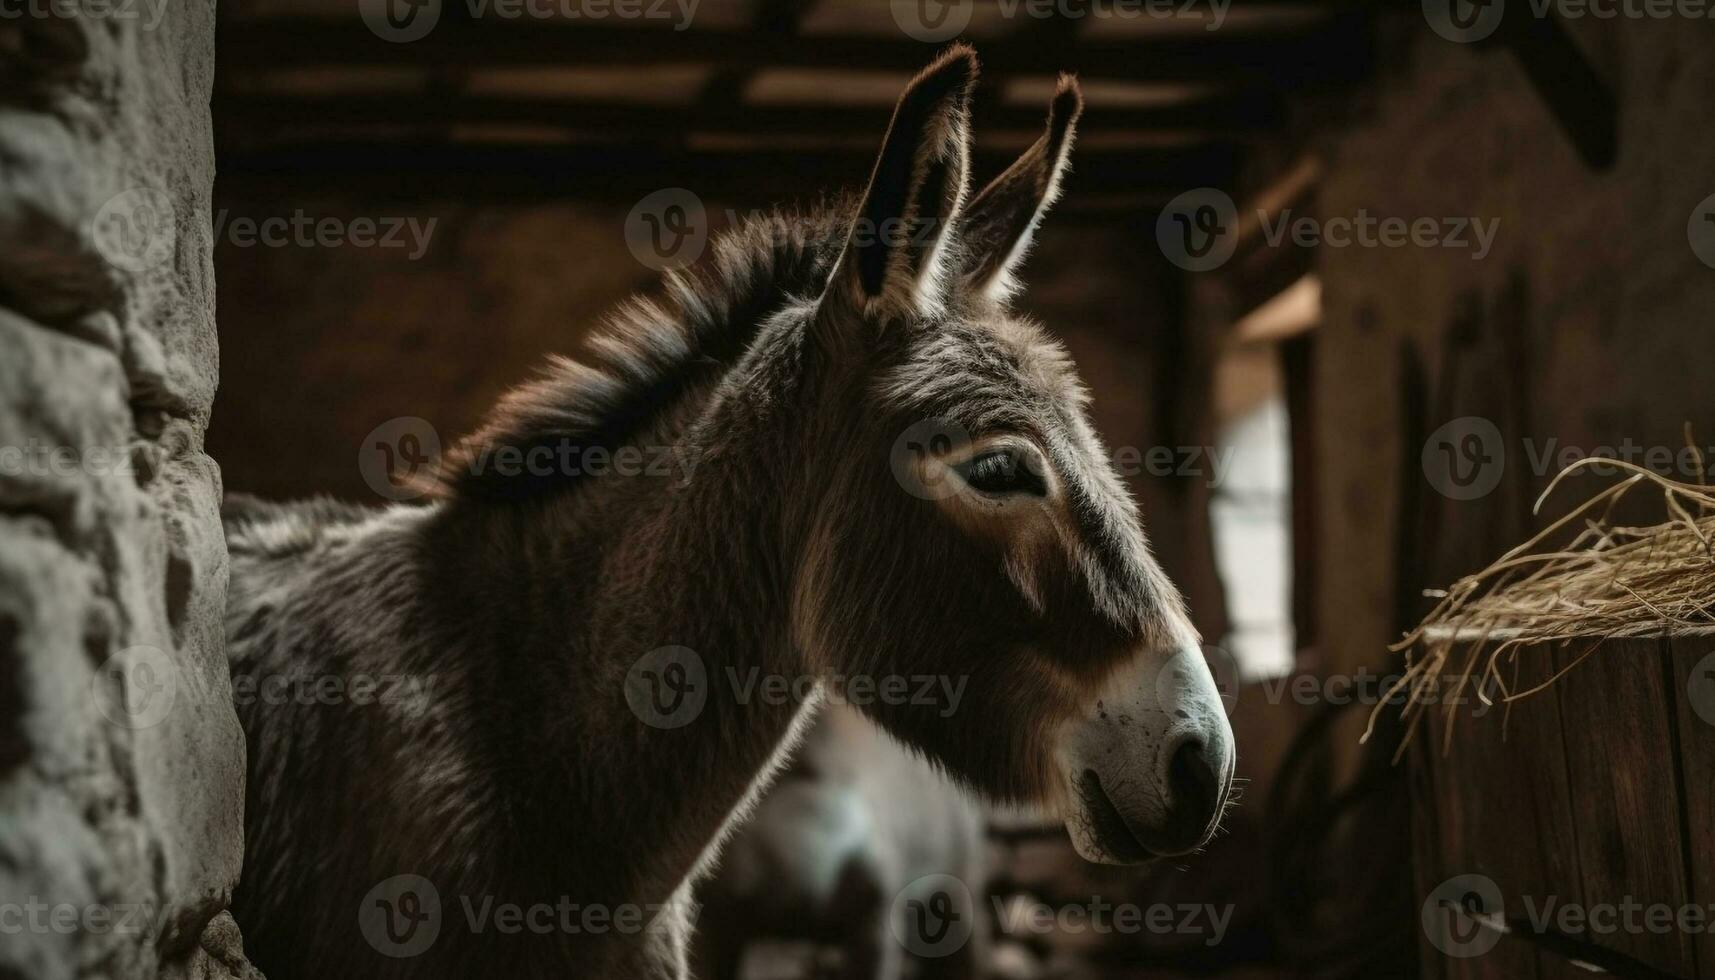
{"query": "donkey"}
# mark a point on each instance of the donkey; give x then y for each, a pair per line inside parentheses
(845, 831)
(581, 729)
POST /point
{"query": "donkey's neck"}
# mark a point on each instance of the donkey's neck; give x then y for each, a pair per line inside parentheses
(562, 600)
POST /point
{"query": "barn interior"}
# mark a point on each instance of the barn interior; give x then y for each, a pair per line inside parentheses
(1321, 424)
(1312, 372)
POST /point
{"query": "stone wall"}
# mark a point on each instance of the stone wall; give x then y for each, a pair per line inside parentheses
(121, 761)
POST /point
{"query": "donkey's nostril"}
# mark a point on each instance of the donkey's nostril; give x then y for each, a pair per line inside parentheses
(1194, 780)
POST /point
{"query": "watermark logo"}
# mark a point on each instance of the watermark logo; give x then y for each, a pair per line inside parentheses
(400, 21)
(667, 687)
(667, 229)
(1180, 676)
(1465, 458)
(1701, 231)
(1365, 687)
(1030, 920)
(933, 916)
(1469, 21)
(302, 230)
(1224, 667)
(136, 687)
(1464, 21)
(919, 456)
(567, 458)
(1466, 233)
(401, 917)
(1461, 914)
(932, 21)
(1700, 689)
(398, 456)
(149, 12)
(137, 230)
(1198, 230)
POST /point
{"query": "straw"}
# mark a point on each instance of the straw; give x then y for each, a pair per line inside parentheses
(1608, 581)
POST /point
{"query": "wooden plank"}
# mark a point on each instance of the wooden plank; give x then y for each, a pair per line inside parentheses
(1621, 760)
(1693, 659)
(1504, 812)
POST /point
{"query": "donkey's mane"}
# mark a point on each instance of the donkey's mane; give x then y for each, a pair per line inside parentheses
(650, 350)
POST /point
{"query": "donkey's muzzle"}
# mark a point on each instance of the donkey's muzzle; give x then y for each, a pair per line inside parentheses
(1151, 768)
(1182, 819)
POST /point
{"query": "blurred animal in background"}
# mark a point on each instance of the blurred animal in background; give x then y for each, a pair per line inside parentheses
(827, 860)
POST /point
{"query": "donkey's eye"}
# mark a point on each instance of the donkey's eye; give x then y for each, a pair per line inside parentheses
(1002, 471)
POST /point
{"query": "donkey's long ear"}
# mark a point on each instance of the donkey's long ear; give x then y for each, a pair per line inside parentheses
(901, 235)
(1000, 222)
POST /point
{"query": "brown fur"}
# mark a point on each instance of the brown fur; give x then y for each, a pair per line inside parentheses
(785, 370)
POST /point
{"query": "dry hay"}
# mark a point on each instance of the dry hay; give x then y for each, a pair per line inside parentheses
(1608, 581)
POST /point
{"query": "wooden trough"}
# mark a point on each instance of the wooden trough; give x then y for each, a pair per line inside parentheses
(1564, 817)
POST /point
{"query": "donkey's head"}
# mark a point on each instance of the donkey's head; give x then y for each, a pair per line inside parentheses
(971, 526)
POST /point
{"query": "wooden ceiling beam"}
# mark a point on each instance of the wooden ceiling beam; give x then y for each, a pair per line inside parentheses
(1332, 50)
(406, 171)
(254, 119)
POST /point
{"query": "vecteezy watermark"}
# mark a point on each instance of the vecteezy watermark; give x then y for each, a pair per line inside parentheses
(919, 458)
(136, 687)
(669, 229)
(924, 460)
(1700, 230)
(1700, 689)
(566, 457)
(1469, 21)
(401, 916)
(1465, 458)
(33, 916)
(42, 459)
(679, 13)
(302, 230)
(405, 915)
(1464, 21)
(932, 21)
(1025, 919)
(136, 230)
(1367, 688)
(149, 13)
(398, 456)
(1211, 464)
(1462, 916)
(934, 916)
(1365, 230)
(1466, 916)
(669, 687)
(404, 21)
(935, 21)
(409, 694)
(1180, 671)
(1199, 230)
